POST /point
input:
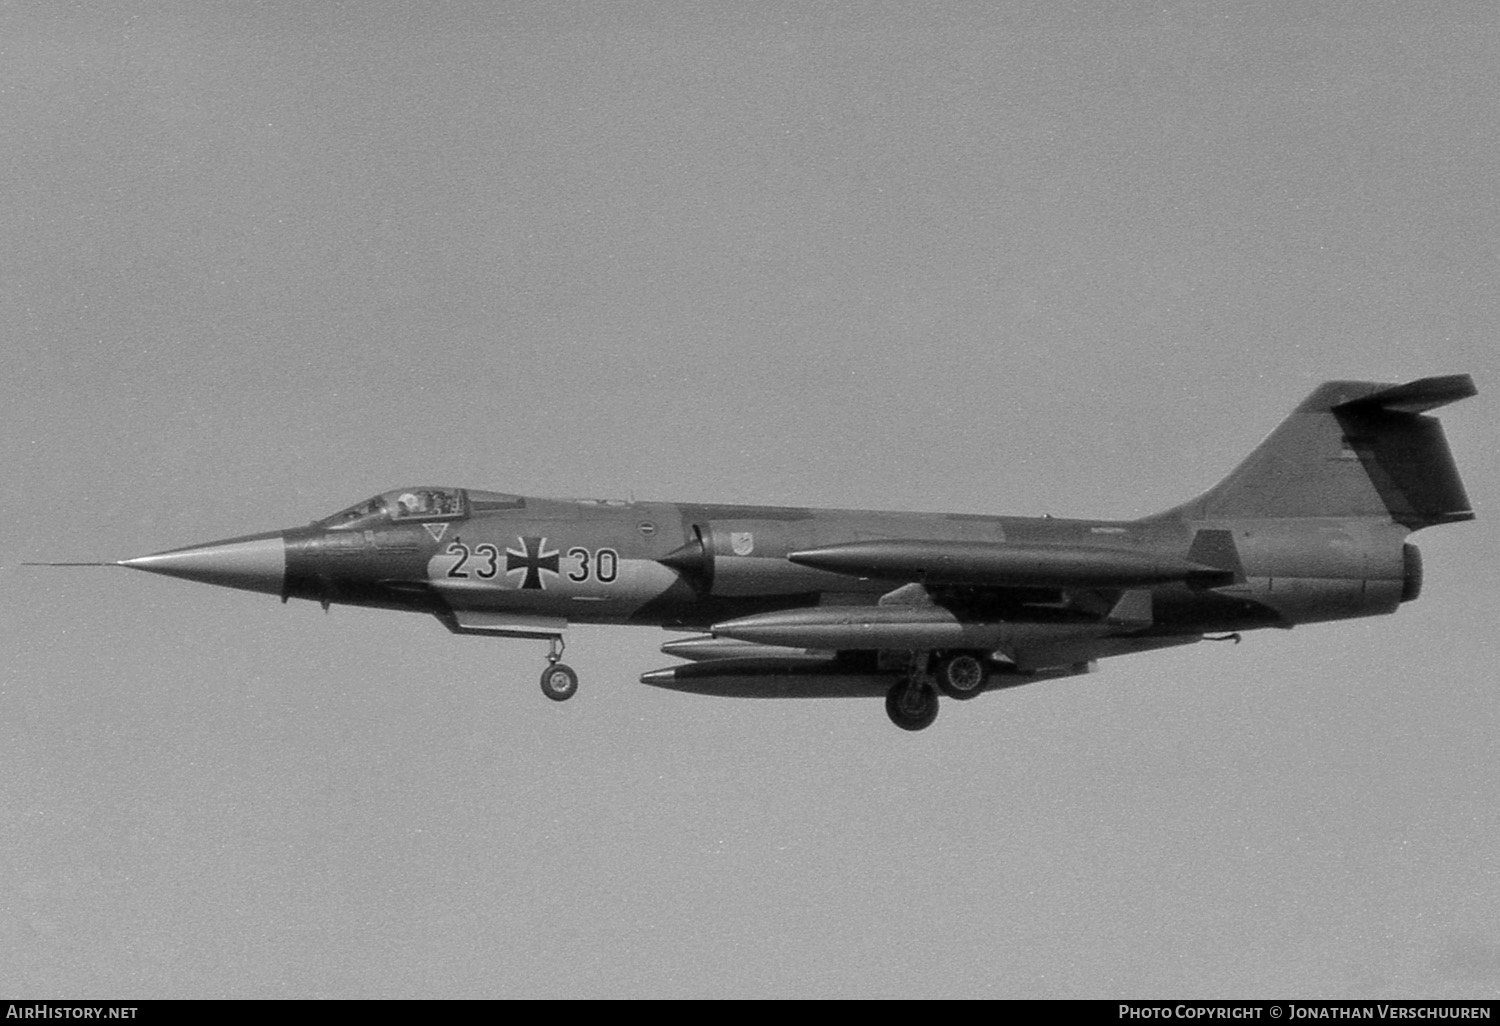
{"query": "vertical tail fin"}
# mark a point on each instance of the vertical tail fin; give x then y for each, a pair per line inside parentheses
(1351, 449)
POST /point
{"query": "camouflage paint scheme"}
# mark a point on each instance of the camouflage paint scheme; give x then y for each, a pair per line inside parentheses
(829, 602)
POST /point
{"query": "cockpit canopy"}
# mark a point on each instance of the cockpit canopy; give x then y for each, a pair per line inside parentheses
(425, 503)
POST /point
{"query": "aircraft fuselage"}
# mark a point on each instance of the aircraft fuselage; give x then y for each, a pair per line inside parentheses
(612, 562)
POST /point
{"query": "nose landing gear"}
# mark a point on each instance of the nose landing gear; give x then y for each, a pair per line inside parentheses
(559, 682)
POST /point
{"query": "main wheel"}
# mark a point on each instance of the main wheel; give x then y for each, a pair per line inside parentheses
(559, 682)
(911, 706)
(961, 675)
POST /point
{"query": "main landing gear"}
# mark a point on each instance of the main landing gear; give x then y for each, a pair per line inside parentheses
(559, 682)
(961, 675)
(912, 702)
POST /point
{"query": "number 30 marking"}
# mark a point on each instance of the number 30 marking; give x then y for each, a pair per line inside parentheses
(603, 565)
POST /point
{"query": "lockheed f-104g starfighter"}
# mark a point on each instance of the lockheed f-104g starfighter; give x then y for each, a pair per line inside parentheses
(793, 602)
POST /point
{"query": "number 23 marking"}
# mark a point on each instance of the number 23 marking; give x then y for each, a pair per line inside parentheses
(486, 552)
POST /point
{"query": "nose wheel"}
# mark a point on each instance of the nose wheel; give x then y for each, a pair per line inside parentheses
(559, 682)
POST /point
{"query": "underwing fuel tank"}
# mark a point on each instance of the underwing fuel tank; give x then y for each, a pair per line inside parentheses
(701, 649)
(814, 678)
(769, 678)
(864, 627)
(1007, 564)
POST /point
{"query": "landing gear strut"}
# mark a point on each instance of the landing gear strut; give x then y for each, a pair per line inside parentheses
(559, 682)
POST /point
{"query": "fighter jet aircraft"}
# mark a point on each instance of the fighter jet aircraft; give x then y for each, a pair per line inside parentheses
(796, 602)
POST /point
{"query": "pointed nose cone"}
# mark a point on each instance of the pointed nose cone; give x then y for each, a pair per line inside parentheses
(254, 563)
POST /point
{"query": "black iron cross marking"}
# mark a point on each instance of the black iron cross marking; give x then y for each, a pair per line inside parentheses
(533, 557)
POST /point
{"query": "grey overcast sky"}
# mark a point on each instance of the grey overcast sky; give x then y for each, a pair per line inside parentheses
(259, 261)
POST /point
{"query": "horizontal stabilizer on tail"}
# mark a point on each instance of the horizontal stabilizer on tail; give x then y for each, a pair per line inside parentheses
(1405, 455)
(1417, 396)
(1351, 449)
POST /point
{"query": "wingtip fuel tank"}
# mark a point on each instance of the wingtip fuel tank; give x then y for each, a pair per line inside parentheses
(1056, 565)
